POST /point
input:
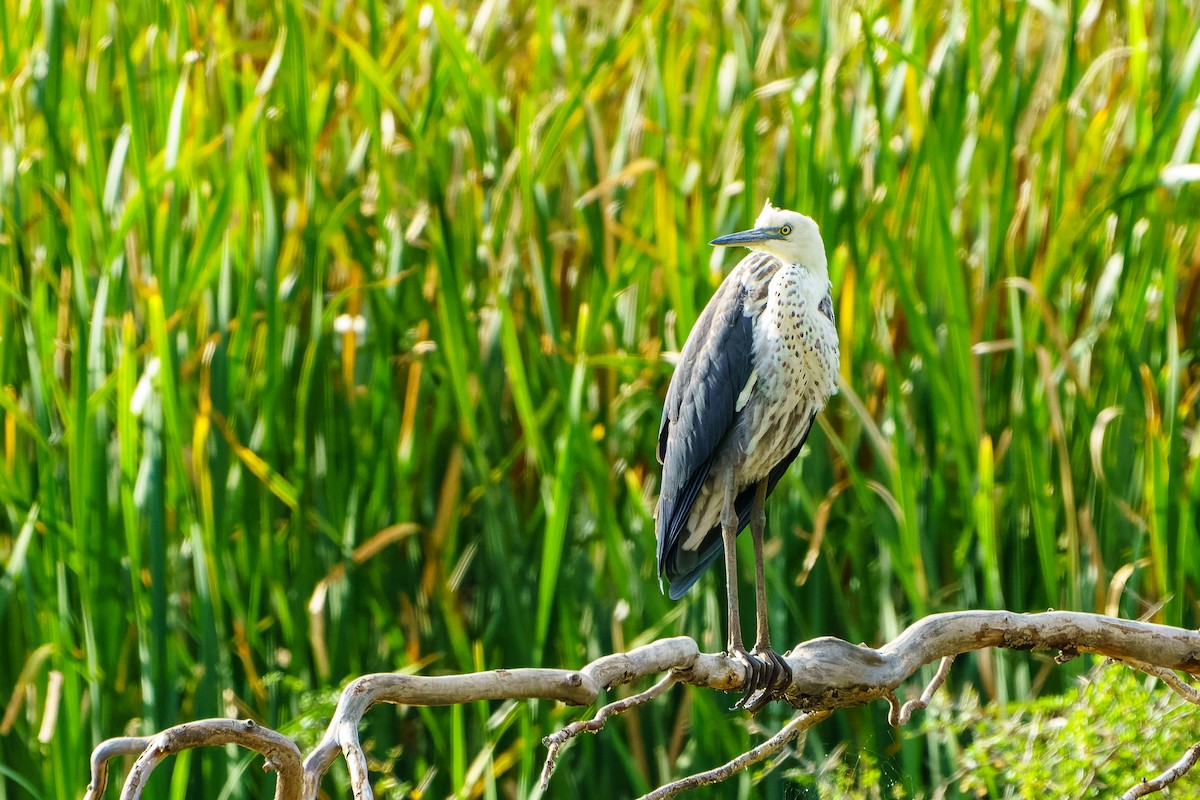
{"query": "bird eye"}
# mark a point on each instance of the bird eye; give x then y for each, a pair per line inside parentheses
(785, 230)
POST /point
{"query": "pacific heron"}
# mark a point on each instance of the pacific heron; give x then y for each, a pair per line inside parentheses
(758, 365)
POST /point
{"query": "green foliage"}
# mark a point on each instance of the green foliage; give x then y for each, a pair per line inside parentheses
(332, 335)
(1112, 729)
(1096, 740)
(851, 778)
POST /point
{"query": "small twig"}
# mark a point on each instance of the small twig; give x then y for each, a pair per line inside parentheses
(898, 715)
(770, 747)
(557, 741)
(1167, 776)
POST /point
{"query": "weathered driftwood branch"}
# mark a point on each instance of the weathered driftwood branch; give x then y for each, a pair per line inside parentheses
(828, 673)
(282, 755)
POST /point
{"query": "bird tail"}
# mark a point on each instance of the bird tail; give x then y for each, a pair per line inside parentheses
(683, 576)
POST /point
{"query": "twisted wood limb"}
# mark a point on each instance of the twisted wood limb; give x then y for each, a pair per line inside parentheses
(282, 755)
(105, 752)
(828, 673)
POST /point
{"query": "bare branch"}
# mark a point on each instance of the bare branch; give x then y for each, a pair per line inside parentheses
(827, 673)
(281, 754)
(574, 687)
(770, 747)
(107, 751)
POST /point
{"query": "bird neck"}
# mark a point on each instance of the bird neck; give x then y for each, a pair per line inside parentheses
(819, 271)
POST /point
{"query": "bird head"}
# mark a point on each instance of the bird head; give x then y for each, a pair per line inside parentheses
(787, 235)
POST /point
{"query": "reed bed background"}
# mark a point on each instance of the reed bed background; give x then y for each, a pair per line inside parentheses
(335, 335)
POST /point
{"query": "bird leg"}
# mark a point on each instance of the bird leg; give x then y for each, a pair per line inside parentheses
(777, 674)
(756, 668)
(729, 531)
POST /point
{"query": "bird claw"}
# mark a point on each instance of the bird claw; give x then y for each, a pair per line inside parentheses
(767, 676)
(754, 671)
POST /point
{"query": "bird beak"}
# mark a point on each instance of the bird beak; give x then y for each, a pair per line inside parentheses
(746, 237)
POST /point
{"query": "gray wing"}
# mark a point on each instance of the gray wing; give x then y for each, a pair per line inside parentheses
(684, 567)
(700, 410)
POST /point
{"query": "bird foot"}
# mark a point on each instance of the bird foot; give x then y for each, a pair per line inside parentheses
(767, 676)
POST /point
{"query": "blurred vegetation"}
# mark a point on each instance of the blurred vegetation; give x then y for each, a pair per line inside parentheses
(333, 335)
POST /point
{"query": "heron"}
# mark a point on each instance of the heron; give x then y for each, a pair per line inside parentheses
(757, 367)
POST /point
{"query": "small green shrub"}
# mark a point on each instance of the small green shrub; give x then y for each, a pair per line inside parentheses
(1097, 740)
